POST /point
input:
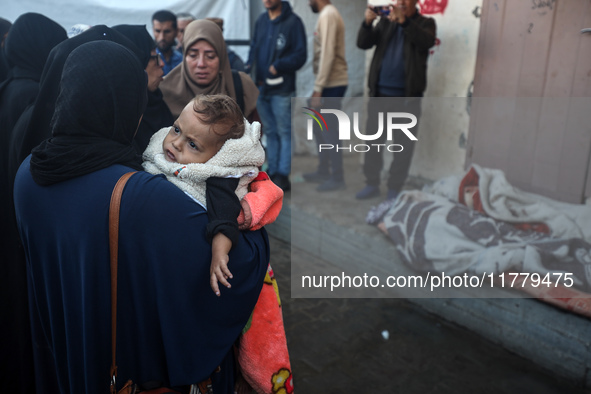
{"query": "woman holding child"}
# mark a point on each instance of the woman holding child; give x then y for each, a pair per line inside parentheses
(172, 329)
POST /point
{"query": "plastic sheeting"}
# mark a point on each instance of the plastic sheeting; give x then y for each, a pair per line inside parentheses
(236, 13)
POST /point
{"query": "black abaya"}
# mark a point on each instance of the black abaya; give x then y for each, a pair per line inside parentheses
(26, 49)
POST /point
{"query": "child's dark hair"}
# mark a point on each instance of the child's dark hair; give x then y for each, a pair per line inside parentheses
(220, 110)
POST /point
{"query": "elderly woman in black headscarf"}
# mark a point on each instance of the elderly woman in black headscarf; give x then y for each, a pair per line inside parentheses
(171, 328)
(26, 48)
(157, 115)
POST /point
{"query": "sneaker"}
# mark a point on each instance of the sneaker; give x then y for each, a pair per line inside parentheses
(316, 177)
(368, 192)
(392, 194)
(331, 185)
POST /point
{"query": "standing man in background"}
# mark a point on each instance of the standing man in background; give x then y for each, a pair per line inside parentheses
(165, 31)
(398, 69)
(182, 20)
(277, 51)
(330, 68)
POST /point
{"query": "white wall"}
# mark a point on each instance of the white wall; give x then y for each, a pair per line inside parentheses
(443, 133)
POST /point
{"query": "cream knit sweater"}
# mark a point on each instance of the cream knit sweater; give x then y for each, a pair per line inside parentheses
(330, 65)
(237, 158)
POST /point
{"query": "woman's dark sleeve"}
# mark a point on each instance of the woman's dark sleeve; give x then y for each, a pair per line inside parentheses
(223, 208)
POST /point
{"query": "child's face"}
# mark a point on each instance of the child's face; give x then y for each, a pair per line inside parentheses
(189, 140)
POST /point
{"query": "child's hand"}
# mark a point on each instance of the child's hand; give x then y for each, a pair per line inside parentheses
(218, 271)
(246, 214)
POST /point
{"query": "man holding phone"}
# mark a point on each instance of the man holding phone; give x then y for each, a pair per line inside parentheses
(402, 38)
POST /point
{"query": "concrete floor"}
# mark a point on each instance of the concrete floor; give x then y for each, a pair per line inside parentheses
(337, 346)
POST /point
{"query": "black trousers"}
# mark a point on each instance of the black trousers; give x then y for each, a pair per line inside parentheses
(331, 162)
(373, 161)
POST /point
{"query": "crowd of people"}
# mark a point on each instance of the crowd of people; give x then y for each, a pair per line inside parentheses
(78, 109)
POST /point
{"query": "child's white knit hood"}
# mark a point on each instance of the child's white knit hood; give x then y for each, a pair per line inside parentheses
(237, 158)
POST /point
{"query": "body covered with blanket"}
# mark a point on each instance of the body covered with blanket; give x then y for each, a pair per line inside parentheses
(481, 224)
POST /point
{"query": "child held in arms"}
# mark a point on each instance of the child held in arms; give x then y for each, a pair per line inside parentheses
(213, 154)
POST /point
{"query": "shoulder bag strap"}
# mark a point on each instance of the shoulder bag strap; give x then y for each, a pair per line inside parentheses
(114, 249)
(205, 387)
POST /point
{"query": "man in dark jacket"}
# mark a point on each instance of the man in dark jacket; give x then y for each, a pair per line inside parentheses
(277, 51)
(398, 69)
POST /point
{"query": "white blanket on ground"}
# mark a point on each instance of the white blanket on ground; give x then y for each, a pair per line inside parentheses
(434, 233)
(504, 202)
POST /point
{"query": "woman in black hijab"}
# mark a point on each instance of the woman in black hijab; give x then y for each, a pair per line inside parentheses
(96, 115)
(26, 47)
(34, 125)
(103, 136)
(31, 129)
(157, 115)
(62, 202)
